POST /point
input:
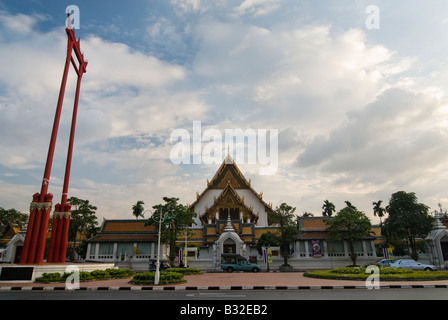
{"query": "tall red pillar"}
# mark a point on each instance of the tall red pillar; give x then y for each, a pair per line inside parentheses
(35, 240)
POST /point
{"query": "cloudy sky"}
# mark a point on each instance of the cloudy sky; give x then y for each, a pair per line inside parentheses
(359, 98)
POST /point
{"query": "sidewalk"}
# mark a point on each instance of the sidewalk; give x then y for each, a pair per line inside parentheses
(230, 281)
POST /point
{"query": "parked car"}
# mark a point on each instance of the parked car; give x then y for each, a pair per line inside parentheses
(239, 263)
(413, 265)
(385, 262)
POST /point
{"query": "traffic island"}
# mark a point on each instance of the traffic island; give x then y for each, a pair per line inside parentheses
(385, 274)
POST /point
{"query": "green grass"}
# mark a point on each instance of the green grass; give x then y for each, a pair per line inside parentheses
(386, 274)
(185, 271)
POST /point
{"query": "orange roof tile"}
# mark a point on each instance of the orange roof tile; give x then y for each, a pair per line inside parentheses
(126, 226)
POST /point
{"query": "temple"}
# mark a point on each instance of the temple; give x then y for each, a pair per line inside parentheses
(231, 216)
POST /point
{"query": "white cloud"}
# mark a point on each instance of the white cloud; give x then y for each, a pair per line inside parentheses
(360, 118)
(20, 23)
(123, 92)
(114, 66)
(292, 76)
(392, 140)
(190, 6)
(258, 7)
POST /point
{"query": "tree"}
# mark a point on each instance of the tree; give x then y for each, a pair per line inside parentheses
(350, 205)
(12, 215)
(307, 214)
(328, 208)
(83, 220)
(349, 225)
(267, 239)
(407, 219)
(285, 218)
(378, 210)
(137, 209)
(177, 218)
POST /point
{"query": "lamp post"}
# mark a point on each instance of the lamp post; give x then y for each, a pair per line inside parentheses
(161, 218)
(186, 252)
(157, 275)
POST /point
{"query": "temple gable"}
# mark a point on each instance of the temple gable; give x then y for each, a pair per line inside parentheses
(229, 192)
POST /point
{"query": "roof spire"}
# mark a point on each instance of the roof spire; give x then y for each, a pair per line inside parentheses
(229, 226)
(228, 159)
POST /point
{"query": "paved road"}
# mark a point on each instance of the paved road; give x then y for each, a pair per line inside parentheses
(228, 296)
(242, 280)
(220, 304)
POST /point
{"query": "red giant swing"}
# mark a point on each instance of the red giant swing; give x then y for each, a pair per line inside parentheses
(33, 250)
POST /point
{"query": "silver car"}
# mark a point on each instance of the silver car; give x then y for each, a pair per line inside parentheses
(385, 262)
(413, 265)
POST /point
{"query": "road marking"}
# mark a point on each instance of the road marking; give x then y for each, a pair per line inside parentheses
(215, 295)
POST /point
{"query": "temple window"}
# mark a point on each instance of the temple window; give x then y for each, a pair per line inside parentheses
(234, 213)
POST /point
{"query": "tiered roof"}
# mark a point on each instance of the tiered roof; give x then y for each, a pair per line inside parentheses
(229, 178)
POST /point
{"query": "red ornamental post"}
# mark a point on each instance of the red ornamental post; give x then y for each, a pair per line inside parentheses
(62, 215)
(54, 229)
(30, 229)
(34, 246)
(64, 234)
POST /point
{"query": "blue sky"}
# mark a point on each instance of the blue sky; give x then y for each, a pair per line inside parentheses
(361, 113)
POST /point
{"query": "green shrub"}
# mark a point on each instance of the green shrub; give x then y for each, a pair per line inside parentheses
(120, 273)
(185, 271)
(169, 277)
(362, 270)
(50, 277)
(349, 270)
(86, 276)
(101, 274)
(386, 274)
(384, 270)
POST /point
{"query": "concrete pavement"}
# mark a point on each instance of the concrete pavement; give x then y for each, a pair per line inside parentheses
(230, 281)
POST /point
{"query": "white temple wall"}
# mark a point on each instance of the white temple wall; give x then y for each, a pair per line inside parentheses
(206, 200)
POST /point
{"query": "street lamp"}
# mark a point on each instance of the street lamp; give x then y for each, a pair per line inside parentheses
(161, 218)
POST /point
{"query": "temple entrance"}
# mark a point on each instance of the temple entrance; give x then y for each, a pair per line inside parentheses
(18, 254)
(229, 246)
(444, 247)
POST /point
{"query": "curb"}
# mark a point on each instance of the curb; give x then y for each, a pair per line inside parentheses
(216, 288)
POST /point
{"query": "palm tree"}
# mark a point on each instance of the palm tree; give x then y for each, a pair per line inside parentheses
(378, 210)
(137, 209)
(328, 208)
(349, 205)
